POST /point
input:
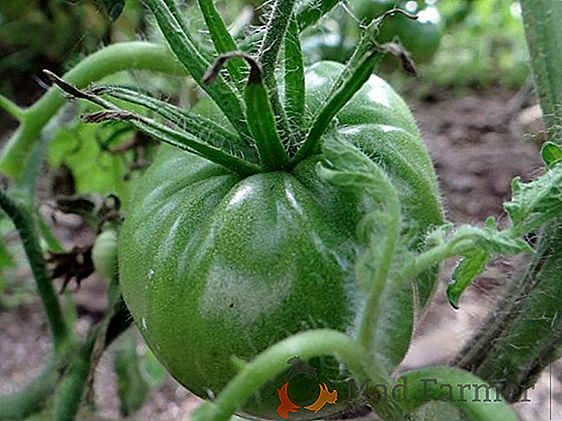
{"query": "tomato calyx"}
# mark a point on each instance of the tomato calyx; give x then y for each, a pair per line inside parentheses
(270, 142)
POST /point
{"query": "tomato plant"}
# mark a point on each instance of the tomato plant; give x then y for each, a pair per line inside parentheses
(104, 253)
(294, 212)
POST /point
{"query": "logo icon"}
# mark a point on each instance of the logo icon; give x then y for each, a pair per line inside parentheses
(300, 368)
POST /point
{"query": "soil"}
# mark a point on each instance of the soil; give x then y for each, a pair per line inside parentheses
(477, 146)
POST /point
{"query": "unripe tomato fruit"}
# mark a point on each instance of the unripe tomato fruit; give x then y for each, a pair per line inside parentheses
(104, 254)
(421, 37)
(215, 266)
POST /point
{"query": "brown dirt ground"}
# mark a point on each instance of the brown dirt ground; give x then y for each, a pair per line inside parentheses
(475, 157)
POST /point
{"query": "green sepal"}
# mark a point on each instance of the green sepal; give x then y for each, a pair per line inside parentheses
(223, 41)
(352, 78)
(205, 129)
(294, 79)
(311, 12)
(193, 57)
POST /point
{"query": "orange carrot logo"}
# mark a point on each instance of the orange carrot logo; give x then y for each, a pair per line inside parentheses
(286, 406)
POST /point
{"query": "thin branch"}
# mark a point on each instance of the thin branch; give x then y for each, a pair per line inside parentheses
(25, 226)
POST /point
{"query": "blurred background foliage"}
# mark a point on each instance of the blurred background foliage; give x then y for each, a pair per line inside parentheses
(482, 41)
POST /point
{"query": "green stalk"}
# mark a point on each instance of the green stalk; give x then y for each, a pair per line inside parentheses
(12, 108)
(309, 344)
(25, 226)
(71, 389)
(307, 15)
(112, 59)
(542, 27)
(424, 385)
(525, 326)
(520, 337)
(381, 282)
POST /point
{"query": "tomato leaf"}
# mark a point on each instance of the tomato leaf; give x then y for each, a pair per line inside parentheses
(113, 8)
(80, 148)
(472, 264)
(551, 153)
(536, 202)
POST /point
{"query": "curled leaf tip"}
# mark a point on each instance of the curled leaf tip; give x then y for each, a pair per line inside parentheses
(401, 55)
(255, 67)
(68, 88)
(397, 11)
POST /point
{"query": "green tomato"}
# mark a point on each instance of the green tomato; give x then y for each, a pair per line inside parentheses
(325, 44)
(104, 254)
(371, 9)
(421, 37)
(215, 266)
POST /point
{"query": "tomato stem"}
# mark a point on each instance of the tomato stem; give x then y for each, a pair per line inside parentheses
(423, 385)
(25, 226)
(272, 361)
(294, 82)
(275, 32)
(12, 108)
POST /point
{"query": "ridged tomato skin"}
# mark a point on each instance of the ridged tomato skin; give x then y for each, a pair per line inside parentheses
(215, 266)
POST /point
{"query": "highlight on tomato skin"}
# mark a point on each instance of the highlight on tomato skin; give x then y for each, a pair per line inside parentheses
(236, 264)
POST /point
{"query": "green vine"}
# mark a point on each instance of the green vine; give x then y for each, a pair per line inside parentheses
(25, 225)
